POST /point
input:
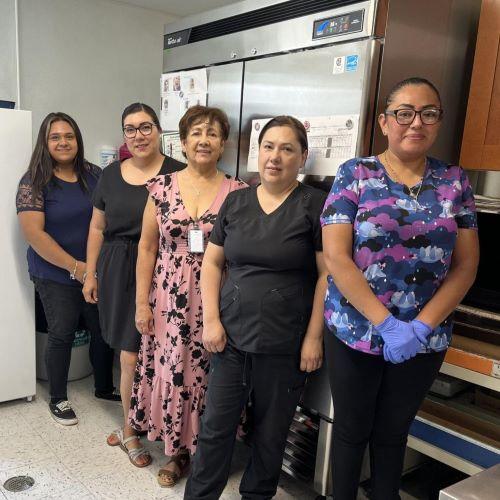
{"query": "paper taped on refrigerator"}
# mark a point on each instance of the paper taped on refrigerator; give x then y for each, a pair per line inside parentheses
(332, 141)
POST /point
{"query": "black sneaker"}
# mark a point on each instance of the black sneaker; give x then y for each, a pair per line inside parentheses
(62, 413)
(108, 396)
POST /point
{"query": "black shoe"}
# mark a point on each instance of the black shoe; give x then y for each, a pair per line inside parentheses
(108, 396)
(62, 413)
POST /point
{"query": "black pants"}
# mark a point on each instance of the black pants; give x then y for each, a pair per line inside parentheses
(374, 403)
(63, 306)
(276, 384)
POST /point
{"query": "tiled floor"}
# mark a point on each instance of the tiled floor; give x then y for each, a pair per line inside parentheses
(75, 462)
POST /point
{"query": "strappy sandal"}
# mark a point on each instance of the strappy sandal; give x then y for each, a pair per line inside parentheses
(115, 435)
(168, 478)
(133, 453)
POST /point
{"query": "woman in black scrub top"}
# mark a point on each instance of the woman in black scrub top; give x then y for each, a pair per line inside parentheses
(266, 329)
(119, 200)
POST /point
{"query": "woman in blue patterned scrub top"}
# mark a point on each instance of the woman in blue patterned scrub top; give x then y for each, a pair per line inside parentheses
(400, 243)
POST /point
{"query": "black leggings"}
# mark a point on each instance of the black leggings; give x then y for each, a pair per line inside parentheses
(63, 305)
(374, 403)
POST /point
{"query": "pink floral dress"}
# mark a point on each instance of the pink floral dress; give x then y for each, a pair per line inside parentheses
(171, 375)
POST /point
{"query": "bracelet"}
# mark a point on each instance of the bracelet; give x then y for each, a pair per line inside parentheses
(72, 275)
(85, 274)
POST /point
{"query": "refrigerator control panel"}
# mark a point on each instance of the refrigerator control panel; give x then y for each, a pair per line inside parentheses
(338, 25)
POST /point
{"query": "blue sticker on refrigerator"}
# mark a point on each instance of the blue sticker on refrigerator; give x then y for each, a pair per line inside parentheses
(351, 63)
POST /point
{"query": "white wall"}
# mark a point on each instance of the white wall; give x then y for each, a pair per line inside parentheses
(90, 59)
(8, 77)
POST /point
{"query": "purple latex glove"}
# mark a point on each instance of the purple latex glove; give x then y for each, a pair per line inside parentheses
(422, 330)
(401, 343)
(388, 355)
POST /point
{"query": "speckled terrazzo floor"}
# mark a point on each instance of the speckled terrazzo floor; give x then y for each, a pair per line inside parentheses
(75, 462)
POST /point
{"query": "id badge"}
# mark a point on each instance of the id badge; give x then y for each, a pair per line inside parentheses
(195, 240)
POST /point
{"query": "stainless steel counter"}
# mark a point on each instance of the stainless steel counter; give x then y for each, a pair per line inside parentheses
(482, 486)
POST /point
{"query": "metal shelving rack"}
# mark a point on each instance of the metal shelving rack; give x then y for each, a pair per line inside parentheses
(471, 376)
(457, 450)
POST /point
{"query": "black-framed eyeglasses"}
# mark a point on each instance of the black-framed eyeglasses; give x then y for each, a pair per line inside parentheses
(144, 128)
(405, 116)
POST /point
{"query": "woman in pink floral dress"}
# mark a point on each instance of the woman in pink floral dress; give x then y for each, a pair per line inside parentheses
(171, 375)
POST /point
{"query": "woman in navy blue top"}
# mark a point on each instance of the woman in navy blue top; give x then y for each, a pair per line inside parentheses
(54, 209)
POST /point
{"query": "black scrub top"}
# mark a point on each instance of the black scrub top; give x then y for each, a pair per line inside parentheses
(266, 301)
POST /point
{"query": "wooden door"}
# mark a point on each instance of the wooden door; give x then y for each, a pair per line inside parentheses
(481, 140)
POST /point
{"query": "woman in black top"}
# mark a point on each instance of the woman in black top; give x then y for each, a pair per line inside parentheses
(266, 330)
(119, 201)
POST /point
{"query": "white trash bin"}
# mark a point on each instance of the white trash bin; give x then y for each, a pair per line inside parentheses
(79, 367)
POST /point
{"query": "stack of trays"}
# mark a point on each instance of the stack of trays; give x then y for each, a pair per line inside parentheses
(300, 453)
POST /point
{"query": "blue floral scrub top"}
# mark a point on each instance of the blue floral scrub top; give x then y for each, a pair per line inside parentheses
(402, 245)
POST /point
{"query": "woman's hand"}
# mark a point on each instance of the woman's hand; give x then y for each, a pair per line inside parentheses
(214, 336)
(311, 353)
(144, 321)
(400, 341)
(89, 289)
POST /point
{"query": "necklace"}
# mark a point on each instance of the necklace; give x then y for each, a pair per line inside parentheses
(193, 187)
(414, 190)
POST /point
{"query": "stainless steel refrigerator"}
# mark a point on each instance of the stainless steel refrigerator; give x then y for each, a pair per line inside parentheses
(265, 58)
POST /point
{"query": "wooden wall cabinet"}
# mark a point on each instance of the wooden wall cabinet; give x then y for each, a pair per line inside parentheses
(481, 140)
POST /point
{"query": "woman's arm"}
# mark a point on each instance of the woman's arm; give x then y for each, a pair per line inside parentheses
(33, 227)
(337, 249)
(311, 355)
(146, 258)
(94, 244)
(459, 279)
(214, 336)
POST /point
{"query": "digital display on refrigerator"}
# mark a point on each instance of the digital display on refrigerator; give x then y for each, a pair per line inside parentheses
(338, 25)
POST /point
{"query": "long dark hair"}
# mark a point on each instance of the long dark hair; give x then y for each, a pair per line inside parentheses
(41, 167)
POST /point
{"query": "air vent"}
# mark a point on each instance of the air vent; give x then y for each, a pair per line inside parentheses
(261, 17)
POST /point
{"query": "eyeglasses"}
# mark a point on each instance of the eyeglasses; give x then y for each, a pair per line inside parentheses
(144, 128)
(429, 116)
